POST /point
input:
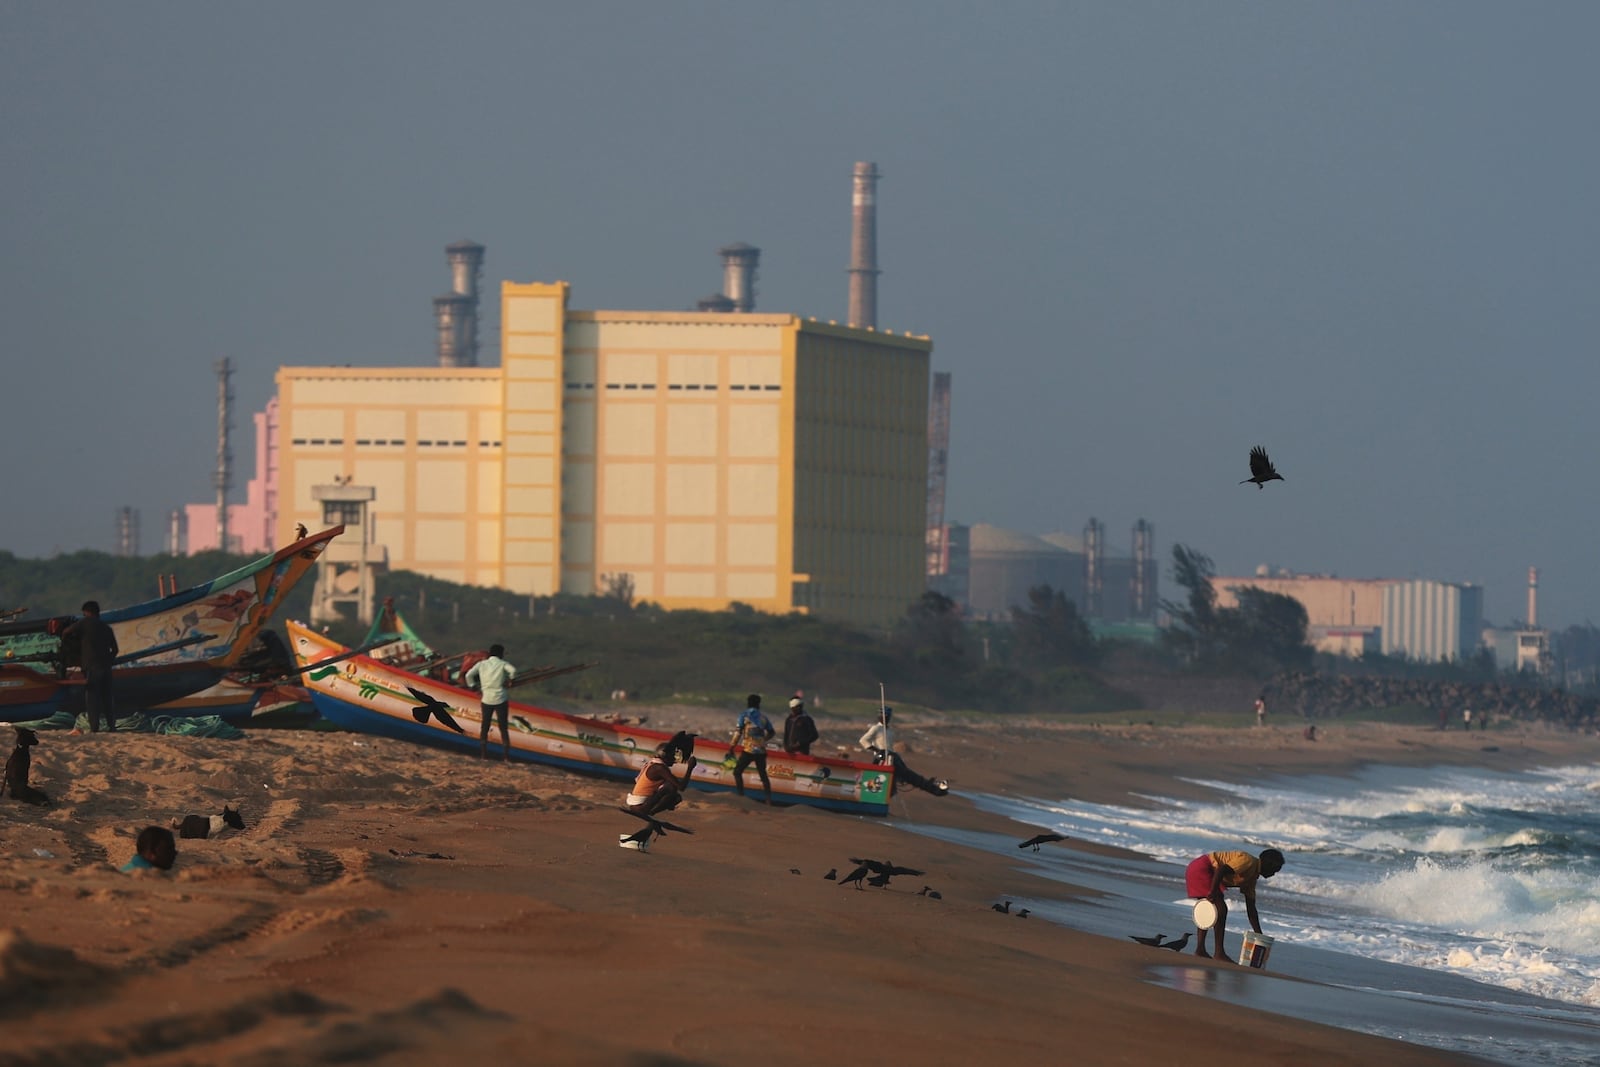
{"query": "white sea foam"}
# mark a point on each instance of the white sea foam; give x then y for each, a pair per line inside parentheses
(1491, 876)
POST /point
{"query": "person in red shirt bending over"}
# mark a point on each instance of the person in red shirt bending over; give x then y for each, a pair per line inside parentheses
(1208, 876)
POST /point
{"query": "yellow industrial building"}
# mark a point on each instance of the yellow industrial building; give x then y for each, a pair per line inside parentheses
(1344, 616)
(709, 458)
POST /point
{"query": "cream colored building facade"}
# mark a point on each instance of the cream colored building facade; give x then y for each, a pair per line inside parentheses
(712, 458)
(1344, 616)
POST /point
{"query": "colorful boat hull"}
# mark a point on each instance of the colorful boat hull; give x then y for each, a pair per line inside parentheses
(27, 694)
(366, 695)
(202, 632)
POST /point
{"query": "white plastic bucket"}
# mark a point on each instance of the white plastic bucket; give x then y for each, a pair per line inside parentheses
(1255, 950)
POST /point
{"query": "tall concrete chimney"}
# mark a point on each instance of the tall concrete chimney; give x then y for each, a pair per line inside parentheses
(1533, 598)
(739, 263)
(466, 268)
(864, 247)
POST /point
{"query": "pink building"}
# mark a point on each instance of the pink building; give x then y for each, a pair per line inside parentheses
(250, 525)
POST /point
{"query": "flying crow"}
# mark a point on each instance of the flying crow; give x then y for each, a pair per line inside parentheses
(435, 707)
(658, 826)
(1041, 839)
(1177, 946)
(885, 867)
(1153, 942)
(1261, 469)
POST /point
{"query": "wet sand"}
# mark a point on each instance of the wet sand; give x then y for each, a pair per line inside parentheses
(388, 903)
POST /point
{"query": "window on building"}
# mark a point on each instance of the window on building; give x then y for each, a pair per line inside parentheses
(341, 512)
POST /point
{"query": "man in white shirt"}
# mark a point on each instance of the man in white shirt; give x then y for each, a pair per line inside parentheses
(879, 740)
(491, 677)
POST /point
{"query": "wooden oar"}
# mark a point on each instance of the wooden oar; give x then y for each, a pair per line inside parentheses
(539, 674)
(156, 650)
(346, 654)
(432, 663)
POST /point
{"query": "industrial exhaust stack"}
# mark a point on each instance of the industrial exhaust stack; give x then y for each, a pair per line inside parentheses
(457, 311)
(739, 263)
(864, 247)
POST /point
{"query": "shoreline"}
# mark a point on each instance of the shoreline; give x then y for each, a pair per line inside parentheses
(327, 929)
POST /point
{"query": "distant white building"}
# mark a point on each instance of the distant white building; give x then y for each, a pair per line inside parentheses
(1431, 621)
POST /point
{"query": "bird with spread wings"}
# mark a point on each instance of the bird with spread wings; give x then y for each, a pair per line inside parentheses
(1261, 468)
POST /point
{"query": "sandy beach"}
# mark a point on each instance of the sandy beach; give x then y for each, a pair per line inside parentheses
(389, 903)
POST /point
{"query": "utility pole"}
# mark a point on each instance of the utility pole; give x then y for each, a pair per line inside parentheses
(223, 478)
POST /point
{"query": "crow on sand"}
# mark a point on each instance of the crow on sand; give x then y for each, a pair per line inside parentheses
(1041, 839)
(855, 876)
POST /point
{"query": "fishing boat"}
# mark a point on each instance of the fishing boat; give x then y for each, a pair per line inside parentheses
(172, 647)
(29, 691)
(361, 692)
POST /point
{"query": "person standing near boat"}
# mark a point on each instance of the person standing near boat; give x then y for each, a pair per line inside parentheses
(750, 739)
(799, 730)
(492, 676)
(879, 740)
(96, 650)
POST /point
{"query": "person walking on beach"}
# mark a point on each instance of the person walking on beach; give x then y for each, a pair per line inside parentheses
(96, 649)
(1466, 719)
(1208, 876)
(799, 730)
(155, 850)
(1261, 711)
(879, 740)
(492, 676)
(656, 790)
(750, 739)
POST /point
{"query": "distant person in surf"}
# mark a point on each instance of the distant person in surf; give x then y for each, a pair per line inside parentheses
(491, 677)
(1208, 876)
(879, 740)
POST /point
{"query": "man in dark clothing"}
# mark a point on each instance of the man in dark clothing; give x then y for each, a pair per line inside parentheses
(96, 644)
(798, 729)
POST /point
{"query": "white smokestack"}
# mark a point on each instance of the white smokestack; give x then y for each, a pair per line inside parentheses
(1533, 598)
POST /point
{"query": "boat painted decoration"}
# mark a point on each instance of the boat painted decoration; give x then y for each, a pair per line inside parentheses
(367, 695)
(172, 647)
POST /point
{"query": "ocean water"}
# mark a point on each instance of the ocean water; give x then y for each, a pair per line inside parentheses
(1453, 908)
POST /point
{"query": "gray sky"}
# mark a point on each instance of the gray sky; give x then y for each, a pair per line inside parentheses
(1144, 237)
